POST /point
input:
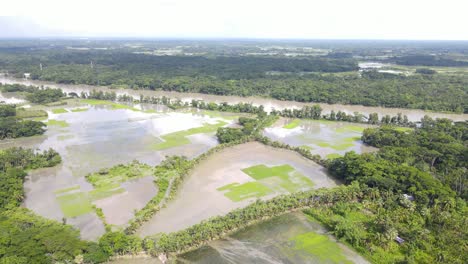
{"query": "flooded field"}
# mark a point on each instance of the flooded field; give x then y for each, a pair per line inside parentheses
(413, 114)
(325, 138)
(90, 137)
(233, 178)
(290, 238)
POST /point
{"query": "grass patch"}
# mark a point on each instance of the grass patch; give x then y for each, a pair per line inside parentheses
(114, 106)
(75, 204)
(307, 147)
(69, 189)
(403, 129)
(247, 190)
(59, 111)
(60, 123)
(36, 114)
(111, 178)
(283, 178)
(320, 246)
(179, 138)
(104, 192)
(216, 114)
(333, 156)
(80, 110)
(350, 128)
(293, 124)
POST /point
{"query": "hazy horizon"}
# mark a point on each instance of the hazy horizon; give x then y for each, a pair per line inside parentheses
(241, 19)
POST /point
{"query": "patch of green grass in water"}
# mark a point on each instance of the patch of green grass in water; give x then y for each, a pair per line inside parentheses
(60, 123)
(65, 190)
(59, 111)
(29, 113)
(333, 156)
(104, 192)
(282, 178)
(80, 110)
(293, 124)
(350, 128)
(247, 190)
(111, 178)
(179, 138)
(114, 106)
(320, 246)
(75, 204)
(216, 114)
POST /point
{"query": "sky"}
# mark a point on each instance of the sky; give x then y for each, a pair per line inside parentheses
(273, 19)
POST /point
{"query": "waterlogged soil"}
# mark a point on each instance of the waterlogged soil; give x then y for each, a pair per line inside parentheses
(290, 238)
(268, 103)
(325, 138)
(97, 138)
(200, 197)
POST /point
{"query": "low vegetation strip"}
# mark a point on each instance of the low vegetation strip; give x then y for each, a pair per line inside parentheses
(179, 138)
(293, 124)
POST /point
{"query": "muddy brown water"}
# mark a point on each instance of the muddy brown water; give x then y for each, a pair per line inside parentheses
(198, 198)
(101, 138)
(268, 103)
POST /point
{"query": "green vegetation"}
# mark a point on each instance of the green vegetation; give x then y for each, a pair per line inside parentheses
(11, 125)
(320, 246)
(178, 138)
(60, 123)
(293, 124)
(65, 137)
(106, 178)
(79, 110)
(59, 111)
(239, 192)
(28, 113)
(113, 105)
(74, 204)
(34, 94)
(69, 189)
(281, 178)
(333, 156)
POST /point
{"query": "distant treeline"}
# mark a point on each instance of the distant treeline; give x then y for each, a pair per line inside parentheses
(428, 60)
(296, 79)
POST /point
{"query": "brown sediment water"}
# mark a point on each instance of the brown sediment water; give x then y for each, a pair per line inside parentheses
(198, 198)
(268, 103)
(101, 138)
(269, 242)
(321, 137)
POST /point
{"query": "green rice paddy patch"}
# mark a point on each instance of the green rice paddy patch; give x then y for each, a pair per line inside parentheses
(69, 189)
(333, 156)
(60, 123)
(104, 192)
(59, 111)
(75, 204)
(178, 138)
(113, 177)
(247, 190)
(293, 124)
(307, 147)
(216, 114)
(350, 128)
(113, 105)
(320, 246)
(282, 178)
(80, 110)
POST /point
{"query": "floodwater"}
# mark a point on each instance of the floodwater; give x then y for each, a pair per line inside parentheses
(268, 103)
(101, 138)
(268, 242)
(198, 198)
(321, 137)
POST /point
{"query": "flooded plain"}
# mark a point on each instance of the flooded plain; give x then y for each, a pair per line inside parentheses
(221, 184)
(93, 137)
(268, 103)
(325, 138)
(290, 238)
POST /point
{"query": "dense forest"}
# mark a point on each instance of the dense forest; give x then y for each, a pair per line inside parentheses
(13, 127)
(305, 79)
